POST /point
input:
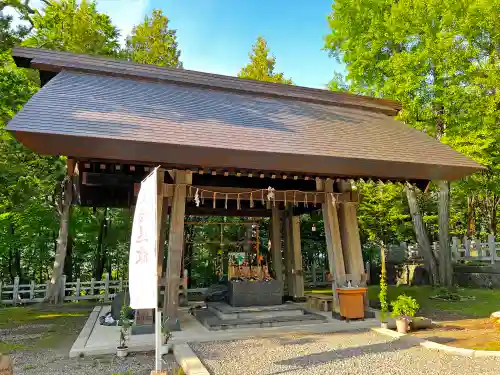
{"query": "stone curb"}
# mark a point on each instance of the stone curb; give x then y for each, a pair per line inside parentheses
(190, 363)
(436, 346)
(79, 345)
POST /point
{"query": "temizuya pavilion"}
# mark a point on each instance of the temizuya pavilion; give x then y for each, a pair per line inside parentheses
(115, 120)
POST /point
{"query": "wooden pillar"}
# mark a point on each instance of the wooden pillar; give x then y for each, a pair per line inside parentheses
(288, 250)
(175, 243)
(333, 240)
(349, 234)
(277, 257)
(298, 274)
(162, 216)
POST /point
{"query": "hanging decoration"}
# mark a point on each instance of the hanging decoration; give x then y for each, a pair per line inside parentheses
(197, 198)
(269, 194)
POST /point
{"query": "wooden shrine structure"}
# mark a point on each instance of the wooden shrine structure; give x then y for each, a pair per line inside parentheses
(239, 147)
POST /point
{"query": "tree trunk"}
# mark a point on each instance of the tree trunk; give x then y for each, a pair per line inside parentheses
(471, 216)
(100, 259)
(62, 241)
(11, 265)
(445, 265)
(421, 234)
(68, 261)
(493, 215)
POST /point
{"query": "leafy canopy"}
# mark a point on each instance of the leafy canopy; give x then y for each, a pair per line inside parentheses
(152, 42)
(76, 26)
(262, 64)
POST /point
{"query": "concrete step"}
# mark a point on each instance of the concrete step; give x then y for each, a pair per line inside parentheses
(212, 322)
(227, 312)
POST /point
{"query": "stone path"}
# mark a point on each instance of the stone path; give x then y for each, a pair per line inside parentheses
(352, 353)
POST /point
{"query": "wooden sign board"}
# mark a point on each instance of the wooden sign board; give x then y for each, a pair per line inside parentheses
(5, 365)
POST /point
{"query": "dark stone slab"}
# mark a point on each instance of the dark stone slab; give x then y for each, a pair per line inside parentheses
(144, 322)
(117, 304)
(216, 293)
(255, 293)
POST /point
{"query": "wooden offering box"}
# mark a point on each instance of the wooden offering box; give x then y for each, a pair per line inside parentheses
(351, 302)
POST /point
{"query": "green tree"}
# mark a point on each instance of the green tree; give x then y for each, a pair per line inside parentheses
(76, 26)
(434, 57)
(153, 42)
(262, 64)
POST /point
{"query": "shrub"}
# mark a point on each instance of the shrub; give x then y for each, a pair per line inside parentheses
(404, 306)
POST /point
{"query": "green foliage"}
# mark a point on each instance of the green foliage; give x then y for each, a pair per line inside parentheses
(152, 42)
(261, 65)
(76, 26)
(384, 306)
(404, 306)
(383, 214)
(440, 59)
(124, 323)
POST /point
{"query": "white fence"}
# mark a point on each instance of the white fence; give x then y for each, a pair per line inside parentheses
(464, 249)
(104, 290)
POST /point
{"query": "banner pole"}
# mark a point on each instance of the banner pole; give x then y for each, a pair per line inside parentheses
(158, 359)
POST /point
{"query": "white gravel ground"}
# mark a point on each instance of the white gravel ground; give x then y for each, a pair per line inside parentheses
(51, 363)
(350, 353)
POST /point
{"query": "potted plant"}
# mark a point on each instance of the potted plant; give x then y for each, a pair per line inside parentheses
(124, 322)
(404, 309)
(165, 331)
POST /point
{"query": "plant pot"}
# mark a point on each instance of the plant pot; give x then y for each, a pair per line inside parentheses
(402, 325)
(384, 325)
(122, 352)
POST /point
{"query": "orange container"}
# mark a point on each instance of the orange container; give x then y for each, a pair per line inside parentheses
(351, 302)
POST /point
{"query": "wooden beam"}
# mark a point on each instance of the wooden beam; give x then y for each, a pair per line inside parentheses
(231, 211)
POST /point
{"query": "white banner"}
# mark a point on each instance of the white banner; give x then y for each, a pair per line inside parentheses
(142, 270)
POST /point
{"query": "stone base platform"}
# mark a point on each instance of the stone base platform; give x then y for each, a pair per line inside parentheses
(221, 316)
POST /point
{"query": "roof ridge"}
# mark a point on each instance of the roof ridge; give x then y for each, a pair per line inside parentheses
(56, 61)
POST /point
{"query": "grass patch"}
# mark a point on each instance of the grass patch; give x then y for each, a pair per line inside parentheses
(6, 347)
(320, 291)
(484, 303)
(14, 316)
(56, 325)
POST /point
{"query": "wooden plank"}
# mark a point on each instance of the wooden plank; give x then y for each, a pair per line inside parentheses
(176, 243)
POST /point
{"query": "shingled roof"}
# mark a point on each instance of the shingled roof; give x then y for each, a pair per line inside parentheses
(110, 109)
